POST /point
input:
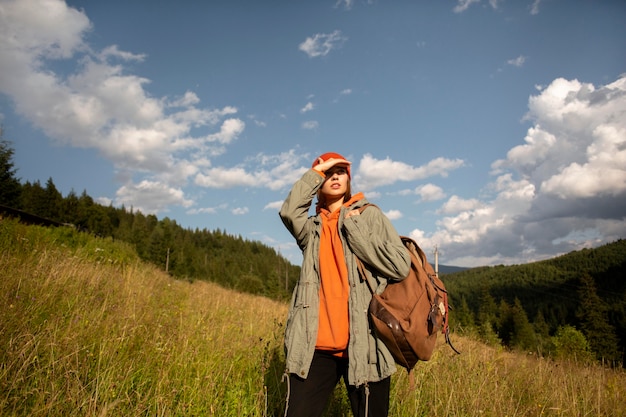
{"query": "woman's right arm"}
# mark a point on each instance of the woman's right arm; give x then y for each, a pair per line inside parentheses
(295, 209)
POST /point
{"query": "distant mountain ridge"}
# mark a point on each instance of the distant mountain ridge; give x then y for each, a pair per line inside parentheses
(448, 269)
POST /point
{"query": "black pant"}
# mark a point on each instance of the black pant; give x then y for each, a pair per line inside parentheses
(308, 397)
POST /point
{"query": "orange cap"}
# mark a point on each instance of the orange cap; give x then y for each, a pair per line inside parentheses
(328, 155)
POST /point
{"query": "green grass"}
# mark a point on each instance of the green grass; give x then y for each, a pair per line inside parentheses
(86, 329)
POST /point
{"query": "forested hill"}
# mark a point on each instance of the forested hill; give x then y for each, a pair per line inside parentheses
(447, 269)
(200, 254)
(524, 304)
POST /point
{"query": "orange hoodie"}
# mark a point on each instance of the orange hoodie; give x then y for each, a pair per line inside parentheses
(334, 325)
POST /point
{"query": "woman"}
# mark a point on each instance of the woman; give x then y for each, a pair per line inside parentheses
(328, 336)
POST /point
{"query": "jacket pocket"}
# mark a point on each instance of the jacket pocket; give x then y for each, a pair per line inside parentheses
(373, 347)
(297, 326)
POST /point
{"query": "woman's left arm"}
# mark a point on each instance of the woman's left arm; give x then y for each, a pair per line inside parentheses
(375, 241)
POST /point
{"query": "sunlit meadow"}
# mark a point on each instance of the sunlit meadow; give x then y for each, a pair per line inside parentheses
(87, 329)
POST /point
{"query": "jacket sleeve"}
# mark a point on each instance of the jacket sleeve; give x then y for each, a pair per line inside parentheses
(375, 241)
(295, 209)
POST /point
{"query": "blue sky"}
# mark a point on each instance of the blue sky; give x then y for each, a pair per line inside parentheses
(494, 130)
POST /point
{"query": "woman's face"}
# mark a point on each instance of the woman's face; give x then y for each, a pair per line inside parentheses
(336, 183)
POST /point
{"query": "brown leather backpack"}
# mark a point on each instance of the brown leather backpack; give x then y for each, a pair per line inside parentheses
(408, 314)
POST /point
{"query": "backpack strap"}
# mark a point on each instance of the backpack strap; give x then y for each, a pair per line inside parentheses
(359, 263)
(361, 268)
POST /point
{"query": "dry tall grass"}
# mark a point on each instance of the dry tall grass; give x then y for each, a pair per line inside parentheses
(88, 330)
(82, 337)
(489, 381)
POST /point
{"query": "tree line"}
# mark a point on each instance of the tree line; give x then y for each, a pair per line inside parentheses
(199, 254)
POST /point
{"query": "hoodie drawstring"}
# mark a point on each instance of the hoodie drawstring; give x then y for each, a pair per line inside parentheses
(286, 377)
(367, 399)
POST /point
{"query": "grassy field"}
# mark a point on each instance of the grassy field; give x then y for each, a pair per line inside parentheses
(88, 330)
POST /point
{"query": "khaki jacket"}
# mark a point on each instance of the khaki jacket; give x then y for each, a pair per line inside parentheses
(371, 237)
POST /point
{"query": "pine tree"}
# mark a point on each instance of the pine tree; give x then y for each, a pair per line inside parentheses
(69, 208)
(542, 332)
(462, 317)
(505, 326)
(523, 335)
(487, 318)
(488, 310)
(10, 187)
(33, 199)
(53, 201)
(594, 323)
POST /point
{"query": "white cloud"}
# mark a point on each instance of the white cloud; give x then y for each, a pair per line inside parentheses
(457, 204)
(310, 125)
(264, 171)
(343, 93)
(273, 205)
(563, 189)
(227, 178)
(308, 107)
(102, 106)
(373, 173)
(579, 140)
(37, 30)
(240, 211)
(393, 214)
(463, 5)
(346, 3)
(189, 99)
(374, 195)
(534, 9)
(517, 62)
(150, 197)
(321, 44)
(283, 169)
(230, 130)
(204, 210)
(114, 52)
(104, 201)
(604, 172)
(430, 192)
(256, 121)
